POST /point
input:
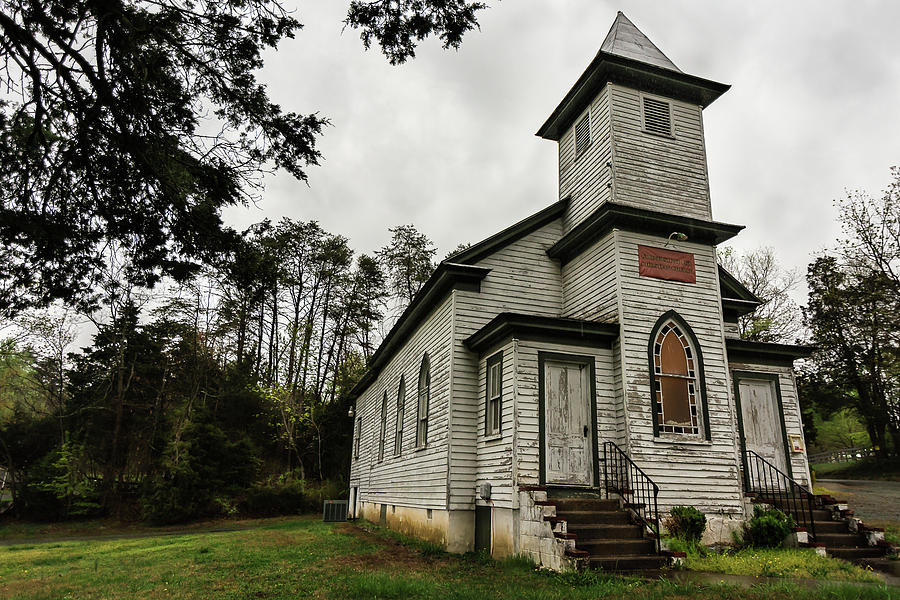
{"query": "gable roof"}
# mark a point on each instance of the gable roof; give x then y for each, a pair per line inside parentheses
(446, 277)
(488, 246)
(629, 58)
(626, 40)
(457, 271)
(737, 300)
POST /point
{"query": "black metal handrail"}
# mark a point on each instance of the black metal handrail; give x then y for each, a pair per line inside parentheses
(773, 486)
(623, 477)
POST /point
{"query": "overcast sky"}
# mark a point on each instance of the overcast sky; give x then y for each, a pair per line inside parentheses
(446, 142)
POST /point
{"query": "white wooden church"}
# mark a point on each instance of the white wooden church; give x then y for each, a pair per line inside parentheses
(554, 389)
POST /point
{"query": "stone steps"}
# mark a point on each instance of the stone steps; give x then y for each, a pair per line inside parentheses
(832, 529)
(603, 532)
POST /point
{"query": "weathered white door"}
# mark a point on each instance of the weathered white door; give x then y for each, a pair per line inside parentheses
(762, 420)
(568, 431)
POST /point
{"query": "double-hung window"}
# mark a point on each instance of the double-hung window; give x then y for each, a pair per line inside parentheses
(494, 395)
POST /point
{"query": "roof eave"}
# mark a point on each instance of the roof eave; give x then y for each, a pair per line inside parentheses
(535, 327)
(765, 353)
(447, 276)
(619, 69)
(511, 234)
(612, 215)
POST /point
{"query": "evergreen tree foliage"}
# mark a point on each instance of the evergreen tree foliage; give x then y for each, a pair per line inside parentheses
(128, 125)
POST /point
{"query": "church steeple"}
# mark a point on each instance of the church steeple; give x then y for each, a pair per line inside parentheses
(626, 40)
(630, 131)
(628, 57)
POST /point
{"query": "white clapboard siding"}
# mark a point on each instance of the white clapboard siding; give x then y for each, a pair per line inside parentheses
(791, 404)
(586, 180)
(732, 331)
(667, 174)
(494, 457)
(699, 472)
(528, 459)
(523, 279)
(418, 477)
(589, 284)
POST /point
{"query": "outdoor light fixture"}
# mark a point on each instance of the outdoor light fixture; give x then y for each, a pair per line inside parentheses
(351, 413)
(678, 236)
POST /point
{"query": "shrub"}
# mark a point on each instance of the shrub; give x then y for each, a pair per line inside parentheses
(686, 523)
(272, 499)
(767, 528)
(203, 469)
(288, 497)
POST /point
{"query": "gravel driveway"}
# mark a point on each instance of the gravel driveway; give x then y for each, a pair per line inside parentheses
(872, 500)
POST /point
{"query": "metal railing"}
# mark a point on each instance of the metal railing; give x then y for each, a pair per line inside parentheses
(621, 476)
(771, 485)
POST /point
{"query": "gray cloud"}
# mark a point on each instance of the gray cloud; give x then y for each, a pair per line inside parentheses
(446, 142)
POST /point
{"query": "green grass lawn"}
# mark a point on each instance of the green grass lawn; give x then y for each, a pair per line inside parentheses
(792, 563)
(305, 558)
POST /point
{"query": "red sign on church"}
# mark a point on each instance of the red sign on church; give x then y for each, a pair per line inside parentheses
(666, 264)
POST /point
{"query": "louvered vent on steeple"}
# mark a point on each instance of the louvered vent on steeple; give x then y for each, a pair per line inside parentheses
(657, 116)
(582, 135)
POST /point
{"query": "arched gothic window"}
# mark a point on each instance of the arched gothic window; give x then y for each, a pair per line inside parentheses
(384, 403)
(422, 405)
(398, 429)
(677, 378)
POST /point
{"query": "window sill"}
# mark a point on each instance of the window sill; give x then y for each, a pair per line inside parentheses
(493, 437)
(420, 448)
(688, 441)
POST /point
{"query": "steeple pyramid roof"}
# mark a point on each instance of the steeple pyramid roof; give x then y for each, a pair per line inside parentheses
(626, 40)
(628, 58)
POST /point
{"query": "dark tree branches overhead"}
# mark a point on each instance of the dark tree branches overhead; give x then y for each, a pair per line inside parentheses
(397, 25)
(132, 123)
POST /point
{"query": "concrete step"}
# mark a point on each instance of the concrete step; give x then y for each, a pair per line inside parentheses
(594, 517)
(556, 491)
(597, 548)
(854, 554)
(606, 531)
(629, 563)
(584, 504)
(831, 527)
(841, 540)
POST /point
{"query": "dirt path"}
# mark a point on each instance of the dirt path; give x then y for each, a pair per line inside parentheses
(873, 500)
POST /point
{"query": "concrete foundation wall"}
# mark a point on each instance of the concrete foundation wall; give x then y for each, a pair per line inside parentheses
(453, 530)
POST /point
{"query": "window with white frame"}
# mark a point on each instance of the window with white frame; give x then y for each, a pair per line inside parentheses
(356, 436)
(493, 394)
(422, 404)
